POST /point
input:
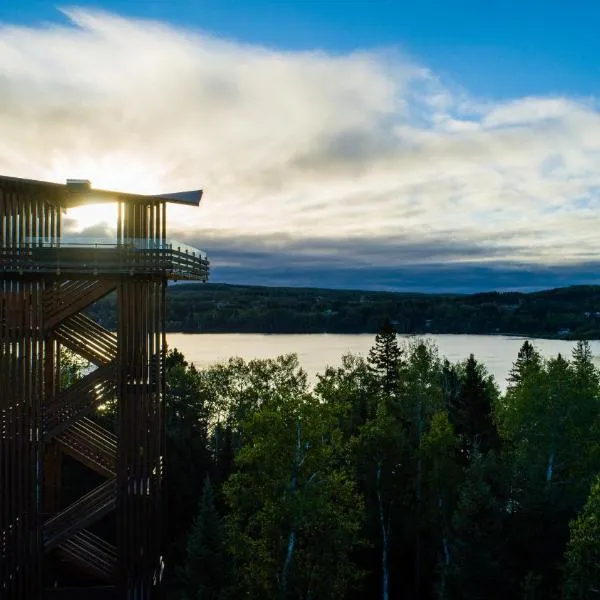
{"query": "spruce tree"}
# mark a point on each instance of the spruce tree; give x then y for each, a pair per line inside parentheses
(205, 572)
(385, 360)
(473, 418)
(586, 374)
(528, 361)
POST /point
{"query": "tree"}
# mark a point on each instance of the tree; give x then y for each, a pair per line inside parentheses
(421, 397)
(549, 419)
(294, 513)
(72, 367)
(473, 568)
(379, 453)
(443, 477)
(385, 360)
(472, 414)
(582, 572)
(451, 384)
(348, 391)
(188, 460)
(205, 573)
(528, 361)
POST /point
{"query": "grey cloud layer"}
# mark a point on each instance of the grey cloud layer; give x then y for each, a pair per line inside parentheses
(360, 159)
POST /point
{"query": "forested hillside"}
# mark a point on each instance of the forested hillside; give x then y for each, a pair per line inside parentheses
(397, 477)
(572, 312)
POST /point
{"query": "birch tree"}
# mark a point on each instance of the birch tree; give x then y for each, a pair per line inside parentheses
(294, 513)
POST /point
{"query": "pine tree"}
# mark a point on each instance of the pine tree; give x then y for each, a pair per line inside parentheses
(385, 360)
(205, 572)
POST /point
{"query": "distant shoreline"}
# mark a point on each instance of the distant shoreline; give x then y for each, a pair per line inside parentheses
(424, 333)
(571, 313)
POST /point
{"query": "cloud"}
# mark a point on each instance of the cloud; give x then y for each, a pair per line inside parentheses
(308, 159)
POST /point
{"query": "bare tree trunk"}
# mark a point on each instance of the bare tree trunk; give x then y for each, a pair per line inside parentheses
(292, 536)
(550, 467)
(418, 495)
(288, 562)
(385, 540)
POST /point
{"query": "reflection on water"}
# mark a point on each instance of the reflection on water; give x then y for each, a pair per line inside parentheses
(317, 351)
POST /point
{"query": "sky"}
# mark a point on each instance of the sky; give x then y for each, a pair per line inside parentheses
(367, 144)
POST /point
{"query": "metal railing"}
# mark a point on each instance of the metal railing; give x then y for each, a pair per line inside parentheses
(106, 256)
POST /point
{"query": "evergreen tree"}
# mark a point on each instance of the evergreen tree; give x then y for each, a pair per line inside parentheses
(528, 361)
(451, 385)
(586, 378)
(205, 572)
(472, 418)
(582, 572)
(385, 360)
(473, 568)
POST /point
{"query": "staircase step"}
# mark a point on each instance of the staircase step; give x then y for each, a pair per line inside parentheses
(83, 512)
(65, 299)
(91, 554)
(79, 400)
(92, 445)
(87, 338)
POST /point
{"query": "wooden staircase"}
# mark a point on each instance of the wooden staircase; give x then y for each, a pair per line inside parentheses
(87, 338)
(83, 512)
(79, 400)
(91, 445)
(64, 300)
(95, 556)
(67, 423)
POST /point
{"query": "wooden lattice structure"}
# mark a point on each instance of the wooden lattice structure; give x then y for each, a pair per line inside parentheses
(46, 284)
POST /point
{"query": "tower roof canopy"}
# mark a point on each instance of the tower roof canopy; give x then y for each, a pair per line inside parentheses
(77, 192)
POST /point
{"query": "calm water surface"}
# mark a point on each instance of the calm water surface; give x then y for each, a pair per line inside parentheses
(317, 351)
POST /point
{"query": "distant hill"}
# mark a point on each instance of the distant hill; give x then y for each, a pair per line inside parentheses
(569, 313)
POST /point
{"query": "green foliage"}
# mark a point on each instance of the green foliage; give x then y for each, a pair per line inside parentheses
(187, 415)
(528, 363)
(349, 391)
(411, 475)
(416, 475)
(205, 573)
(472, 410)
(72, 367)
(549, 418)
(294, 514)
(385, 360)
(473, 569)
(582, 573)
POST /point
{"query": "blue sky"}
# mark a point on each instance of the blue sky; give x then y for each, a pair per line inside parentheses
(375, 144)
(492, 47)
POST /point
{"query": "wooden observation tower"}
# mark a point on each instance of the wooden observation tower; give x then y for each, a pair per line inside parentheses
(46, 284)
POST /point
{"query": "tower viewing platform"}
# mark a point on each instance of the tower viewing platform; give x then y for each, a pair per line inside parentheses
(106, 543)
(33, 245)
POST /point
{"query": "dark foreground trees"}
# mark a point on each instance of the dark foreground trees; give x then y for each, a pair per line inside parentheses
(399, 476)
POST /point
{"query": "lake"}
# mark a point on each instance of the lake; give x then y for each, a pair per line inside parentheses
(317, 351)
